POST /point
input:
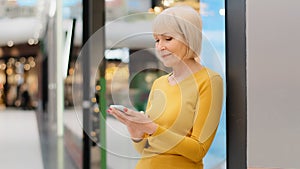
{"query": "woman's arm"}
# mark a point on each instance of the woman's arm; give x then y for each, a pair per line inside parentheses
(196, 145)
(139, 125)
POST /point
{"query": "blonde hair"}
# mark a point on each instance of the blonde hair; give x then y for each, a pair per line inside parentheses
(183, 23)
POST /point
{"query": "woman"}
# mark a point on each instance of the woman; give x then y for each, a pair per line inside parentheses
(184, 107)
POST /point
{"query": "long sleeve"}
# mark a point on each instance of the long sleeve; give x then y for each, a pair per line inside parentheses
(139, 146)
(196, 144)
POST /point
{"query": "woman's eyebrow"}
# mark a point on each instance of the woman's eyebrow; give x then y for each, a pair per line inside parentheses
(162, 34)
(166, 34)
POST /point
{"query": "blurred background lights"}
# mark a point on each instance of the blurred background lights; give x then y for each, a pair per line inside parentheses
(12, 60)
(32, 64)
(18, 77)
(9, 71)
(9, 64)
(17, 64)
(71, 71)
(1, 52)
(222, 12)
(157, 10)
(98, 87)
(31, 41)
(167, 2)
(96, 109)
(30, 59)
(2, 79)
(2, 66)
(94, 100)
(23, 60)
(27, 67)
(10, 43)
(15, 52)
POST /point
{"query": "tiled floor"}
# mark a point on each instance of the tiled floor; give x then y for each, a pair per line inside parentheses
(29, 141)
(19, 140)
(55, 155)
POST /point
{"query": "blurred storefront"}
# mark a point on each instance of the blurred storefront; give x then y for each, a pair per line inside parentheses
(19, 71)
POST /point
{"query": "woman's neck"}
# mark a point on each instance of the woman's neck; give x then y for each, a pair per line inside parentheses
(185, 68)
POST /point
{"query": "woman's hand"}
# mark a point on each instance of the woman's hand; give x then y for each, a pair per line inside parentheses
(137, 123)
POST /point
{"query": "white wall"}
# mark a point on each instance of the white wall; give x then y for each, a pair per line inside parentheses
(273, 79)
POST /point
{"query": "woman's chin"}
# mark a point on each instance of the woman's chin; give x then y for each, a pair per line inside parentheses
(167, 64)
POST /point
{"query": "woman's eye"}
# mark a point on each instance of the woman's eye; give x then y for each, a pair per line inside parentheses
(156, 40)
(169, 39)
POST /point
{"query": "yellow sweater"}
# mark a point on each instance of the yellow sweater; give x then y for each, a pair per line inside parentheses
(188, 115)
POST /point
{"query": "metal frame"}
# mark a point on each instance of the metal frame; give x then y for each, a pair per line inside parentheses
(236, 104)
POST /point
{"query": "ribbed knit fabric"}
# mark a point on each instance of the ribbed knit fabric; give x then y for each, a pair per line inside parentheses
(188, 115)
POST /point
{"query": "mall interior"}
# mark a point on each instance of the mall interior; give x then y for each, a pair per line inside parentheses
(47, 119)
(55, 85)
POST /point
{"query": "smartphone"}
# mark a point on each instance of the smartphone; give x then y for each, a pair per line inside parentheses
(118, 107)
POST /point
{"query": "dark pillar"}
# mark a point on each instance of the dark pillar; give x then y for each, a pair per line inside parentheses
(93, 19)
(86, 143)
(236, 84)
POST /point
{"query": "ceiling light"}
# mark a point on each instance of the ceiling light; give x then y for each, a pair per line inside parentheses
(52, 8)
(10, 43)
(36, 41)
(157, 10)
(167, 3)
(30, 41)
(222, 11)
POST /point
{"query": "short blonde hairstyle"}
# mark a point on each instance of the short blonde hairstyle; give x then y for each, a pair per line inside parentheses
(183, 23)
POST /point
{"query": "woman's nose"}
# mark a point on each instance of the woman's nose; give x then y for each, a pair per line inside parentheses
(160, 46)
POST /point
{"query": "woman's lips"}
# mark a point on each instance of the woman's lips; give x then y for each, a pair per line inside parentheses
(165, 55)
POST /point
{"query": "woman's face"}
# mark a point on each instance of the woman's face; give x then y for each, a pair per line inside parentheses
(170, 50)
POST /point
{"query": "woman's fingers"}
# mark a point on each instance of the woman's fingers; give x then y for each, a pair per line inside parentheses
(129, 117)
(136, 121)
(136, 117)
(117, 114)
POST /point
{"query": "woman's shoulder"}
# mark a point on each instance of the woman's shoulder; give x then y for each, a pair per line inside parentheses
(211, 73)
(208, 75)
(161, 79)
